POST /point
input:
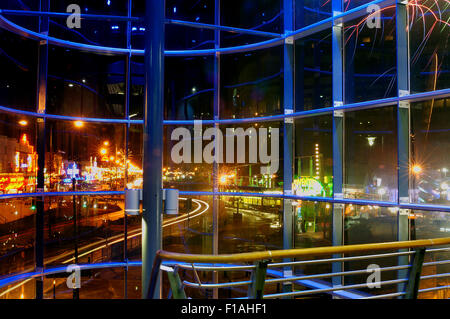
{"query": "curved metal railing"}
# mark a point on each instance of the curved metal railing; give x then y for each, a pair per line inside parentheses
(263, 271)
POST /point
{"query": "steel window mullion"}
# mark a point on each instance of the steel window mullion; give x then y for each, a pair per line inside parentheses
(288, 130)
(41, 102)
(338, 134)
(403, 126)
(152, 140)
(217, 92)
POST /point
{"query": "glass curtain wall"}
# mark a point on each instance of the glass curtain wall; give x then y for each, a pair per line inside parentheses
(358, 103)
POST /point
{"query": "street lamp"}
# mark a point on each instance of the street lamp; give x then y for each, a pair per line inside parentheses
(23, 123)
(417, 169)
(79, 124)
(371, 140)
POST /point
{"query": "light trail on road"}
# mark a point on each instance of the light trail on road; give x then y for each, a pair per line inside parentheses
(120, 238)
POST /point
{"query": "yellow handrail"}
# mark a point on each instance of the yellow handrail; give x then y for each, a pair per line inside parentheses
(288, 253)
(301, 252)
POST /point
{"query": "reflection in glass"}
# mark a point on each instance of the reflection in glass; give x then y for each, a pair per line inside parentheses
(313, 174)
(313, 72)
(370, 224)
(84, 229)
(246, 165)
(429, 45)
(430, 152)
(17, 235)
(92, 155)
(185, 165)
(248, 89)
(370, 57)
(250, 224)
(428, 225)
(18, 154)
(370, 170)
(18, 65)
(189, 93)
(311, 11)
(85, 84)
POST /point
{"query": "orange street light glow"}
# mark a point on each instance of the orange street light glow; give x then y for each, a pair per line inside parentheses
(103, 151)
(223, 179)
(417, 169)
(79, 123)
(106, 143)
(23, 123)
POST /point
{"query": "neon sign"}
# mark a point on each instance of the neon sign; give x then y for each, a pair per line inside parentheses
(307, 186)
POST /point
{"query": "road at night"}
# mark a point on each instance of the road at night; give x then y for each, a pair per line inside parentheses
(202, 208)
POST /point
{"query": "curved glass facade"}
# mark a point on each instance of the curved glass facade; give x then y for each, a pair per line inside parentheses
(346, 101)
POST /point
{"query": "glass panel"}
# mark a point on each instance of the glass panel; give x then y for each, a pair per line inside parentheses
(313, 227)
(185, 166)
(18, 62)
(17, 235)
(137, 87)
(135, 157)
(85, 84)
(188, 38)
(92, 154)
(351, 4)
(91, 32)
(18, 157)
(313, 71)
(370, 224)
(189, 97)
(249, 90)
(428, 225)
(249, 224)
(106, 7)
(24, 290)
(188, 232)
(430, 152)
(311, 11)
(371, 154)
(191, 231)
(29, 22)
(252, 158)
(97, 236)
(370, 57)
(191, 10)
(313, 174)
(95, 284)
(429, 43)
(266, 16)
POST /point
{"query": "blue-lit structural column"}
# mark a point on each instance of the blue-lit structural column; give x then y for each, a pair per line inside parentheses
(288, 143)
(127, 141)
(216, 199)
(40, 136)
(403, 118)
(338, 133)
(153, 138)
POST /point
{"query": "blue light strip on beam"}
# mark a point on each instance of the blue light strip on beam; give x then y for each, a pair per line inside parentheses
(416, 97)
(316, 27)
(361, 202)
(224, 28)
(65, 15)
